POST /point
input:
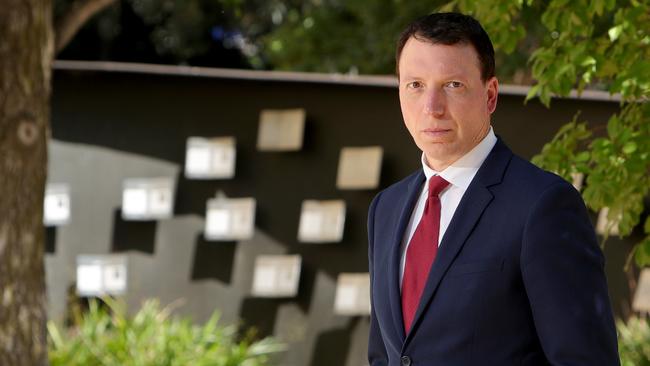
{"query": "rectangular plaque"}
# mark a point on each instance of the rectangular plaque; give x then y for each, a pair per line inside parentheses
(230, 219)
(281, 130)
(321, 221)
(99, 275)
(359, 167)
(147, 198)
(276, 276)
(352, 294)
(210, 158)
(56, 210)
(577, 179)
(604, 222)
(641, 301)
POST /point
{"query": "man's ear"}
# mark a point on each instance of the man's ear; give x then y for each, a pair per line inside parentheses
(492, 94)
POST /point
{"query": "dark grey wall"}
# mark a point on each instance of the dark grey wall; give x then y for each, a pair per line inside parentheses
(108, 126)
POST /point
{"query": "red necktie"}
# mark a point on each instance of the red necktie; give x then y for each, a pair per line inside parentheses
(421, 252)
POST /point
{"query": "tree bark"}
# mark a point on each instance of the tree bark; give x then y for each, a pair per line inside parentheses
(26, 53)
(80, 12)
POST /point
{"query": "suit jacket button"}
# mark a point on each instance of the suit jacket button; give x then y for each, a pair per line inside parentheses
(406, 361)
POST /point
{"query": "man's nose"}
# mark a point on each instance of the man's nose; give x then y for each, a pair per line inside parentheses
(434, 103)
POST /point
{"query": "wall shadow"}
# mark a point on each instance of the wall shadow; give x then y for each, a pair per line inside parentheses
(213, 260)
(133, 235)
(332, 346)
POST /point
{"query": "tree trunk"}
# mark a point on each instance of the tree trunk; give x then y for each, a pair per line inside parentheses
(26, 52)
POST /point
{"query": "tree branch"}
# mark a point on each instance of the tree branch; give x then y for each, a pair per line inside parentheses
(80, 12)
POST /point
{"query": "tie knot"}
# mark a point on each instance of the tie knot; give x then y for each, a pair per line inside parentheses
(436, 185)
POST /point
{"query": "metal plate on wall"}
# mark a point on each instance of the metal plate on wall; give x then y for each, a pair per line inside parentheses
(642, 295)
(56, 210)
(210, 158)
(352, 294)
(321, 221)
(230, 219)
(604, 222)
(359, 167)
(276, 276)
(99, 275)
(281, 130)
(147, 198)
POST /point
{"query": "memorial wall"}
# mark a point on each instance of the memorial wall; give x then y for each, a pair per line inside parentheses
(245, 192)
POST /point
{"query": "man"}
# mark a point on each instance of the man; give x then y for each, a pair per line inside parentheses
(479, 258)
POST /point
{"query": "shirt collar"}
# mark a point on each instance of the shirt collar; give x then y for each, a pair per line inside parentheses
(461, 172)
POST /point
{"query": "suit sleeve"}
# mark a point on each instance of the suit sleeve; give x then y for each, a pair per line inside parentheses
(376, 349)
(563, 273)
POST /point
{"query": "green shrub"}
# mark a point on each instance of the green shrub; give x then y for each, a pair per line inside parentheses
(108, 337)
(634, 342)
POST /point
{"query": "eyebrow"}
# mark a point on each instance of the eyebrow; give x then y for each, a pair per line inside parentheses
(452, 76)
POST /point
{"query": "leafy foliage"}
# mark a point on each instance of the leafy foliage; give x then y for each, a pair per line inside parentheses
(634, 342)
(329, 35)
(151, 337)
(344, 36)
(601, 44)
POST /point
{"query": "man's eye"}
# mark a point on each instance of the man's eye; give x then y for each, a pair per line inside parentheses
(414, 85)
(454, 84)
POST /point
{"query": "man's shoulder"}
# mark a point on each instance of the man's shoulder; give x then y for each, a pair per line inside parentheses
(397, 191)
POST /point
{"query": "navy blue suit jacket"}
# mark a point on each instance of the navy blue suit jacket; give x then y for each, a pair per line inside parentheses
(518, 278)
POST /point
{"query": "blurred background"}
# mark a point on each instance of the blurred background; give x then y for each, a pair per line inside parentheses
(215, 159)
(350, 37)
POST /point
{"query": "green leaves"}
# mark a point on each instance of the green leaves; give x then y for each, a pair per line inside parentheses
(642, 253)
(615, 32)
(152, 337)
(563, 154)
(500, 18)
(618, 170)
(634, 342)
(629, 147)
(616, 167)
(586, 47)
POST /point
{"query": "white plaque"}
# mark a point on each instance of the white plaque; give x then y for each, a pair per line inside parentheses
(352, 294)
(147, 198)
(114, 277)
(276, 275)
(604, 222)
(359, 167)
(281, 130)
(56, 210)
(641, 301)
(265, 279)
(99, 275)
(218, 222)
(321, 221)
(212, 158)
(230, 219)
(160, 201)
(577, 179)
(134, 202)
(89, 279)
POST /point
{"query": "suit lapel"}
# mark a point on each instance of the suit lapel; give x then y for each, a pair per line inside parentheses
(469, 211)
(414, 189)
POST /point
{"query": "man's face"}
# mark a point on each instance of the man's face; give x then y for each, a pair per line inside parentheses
(445, 104)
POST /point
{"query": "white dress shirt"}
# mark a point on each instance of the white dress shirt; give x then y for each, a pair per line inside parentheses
(459, 175)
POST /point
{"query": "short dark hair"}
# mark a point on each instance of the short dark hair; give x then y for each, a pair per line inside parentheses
(450, 29)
